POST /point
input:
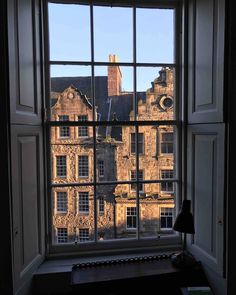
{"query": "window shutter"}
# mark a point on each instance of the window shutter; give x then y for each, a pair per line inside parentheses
(206, 130)
(26, 140)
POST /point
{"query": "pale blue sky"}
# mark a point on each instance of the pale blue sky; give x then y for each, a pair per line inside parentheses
(70, 40)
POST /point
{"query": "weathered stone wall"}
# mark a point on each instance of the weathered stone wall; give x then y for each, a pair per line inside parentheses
(118, 164)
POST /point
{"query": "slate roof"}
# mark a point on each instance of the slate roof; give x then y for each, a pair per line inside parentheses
(118, 106)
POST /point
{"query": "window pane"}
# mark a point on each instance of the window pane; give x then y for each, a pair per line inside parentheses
(74, 212)
(155, 35)
(69, 31)
(72, 158)
(113, 154)
(167, 215)
(114, 97)
(61, 201)
(156, 90)
(62, 235)
(70, 93)
(113, 33)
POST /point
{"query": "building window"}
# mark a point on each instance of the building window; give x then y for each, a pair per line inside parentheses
(166, 218)
(62, 235)
(167, 186)
(83, 130)
(83, 166)
(84, 202)
(133, 177)
(61, 201)
(83, 234)
(100, 168)
(167, 143)
(131, 218)
(101, 204)
(140, 143)
(64, 131)
(61, 166)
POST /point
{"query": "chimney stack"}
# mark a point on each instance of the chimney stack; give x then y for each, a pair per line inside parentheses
(114, 77)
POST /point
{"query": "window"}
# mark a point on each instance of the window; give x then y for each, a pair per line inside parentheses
(62, 236)
(131, 217)
(83, 234)
(83, 166)
(83, 202)
(101, 205)
(61, 166)
(61, 199)
(140, 143)
(166, 218)
(64, 131)
(114, 97)
(167, 143)
(83, 130)
(101, 168)
(133, 177)
(167, 186)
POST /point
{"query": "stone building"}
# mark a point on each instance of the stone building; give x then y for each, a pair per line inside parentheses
(72, 151)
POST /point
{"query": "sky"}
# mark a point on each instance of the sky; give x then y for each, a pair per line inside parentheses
(69, 31)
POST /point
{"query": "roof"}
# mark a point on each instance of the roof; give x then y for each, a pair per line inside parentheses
(108, 108)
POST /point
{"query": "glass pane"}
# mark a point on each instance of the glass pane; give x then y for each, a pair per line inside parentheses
(114, 93)
(73, 214)
(156, 93)
(113, 153)
(155, 35)
(71, 156)
(70, 93)
(69, 32)
(154, 221)
(113, 33)
(117, 216)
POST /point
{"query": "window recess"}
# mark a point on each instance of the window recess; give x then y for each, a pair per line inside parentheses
(119, 98)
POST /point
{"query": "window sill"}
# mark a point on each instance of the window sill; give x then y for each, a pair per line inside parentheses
(55, 276)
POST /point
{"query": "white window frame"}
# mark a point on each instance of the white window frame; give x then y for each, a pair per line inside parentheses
(131, 216)
(62, 129)
(170, 213)
(61, 166)
(140, 183)
(83, 202)
(83, 235)
(62, 235)
(166, 143)
(101, 205)
(59, 202)
(170, 173)
(83, 131)
(141, 143)
(83, 167)
(101, 169)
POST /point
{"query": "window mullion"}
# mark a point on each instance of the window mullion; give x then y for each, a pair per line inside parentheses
(94, 126)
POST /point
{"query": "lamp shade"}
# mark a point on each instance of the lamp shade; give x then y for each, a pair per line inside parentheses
(184, 220)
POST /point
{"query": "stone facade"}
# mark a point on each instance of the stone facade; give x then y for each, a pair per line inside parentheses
(115, 161)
